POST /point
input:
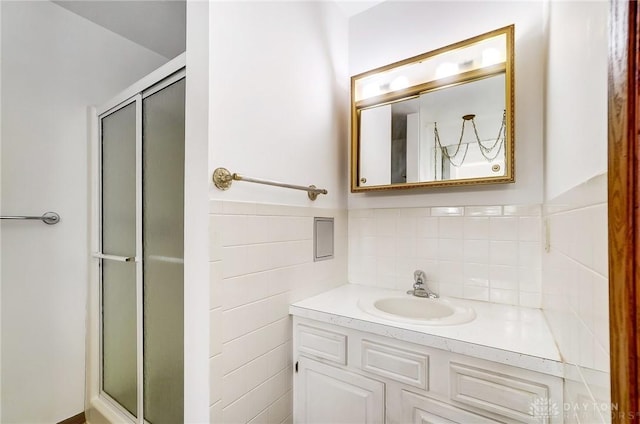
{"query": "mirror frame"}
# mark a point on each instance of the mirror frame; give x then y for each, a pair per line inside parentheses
(411, 92)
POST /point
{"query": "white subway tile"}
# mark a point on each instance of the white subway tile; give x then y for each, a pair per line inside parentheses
(386, 247)
(215, 238)
(215, 379)
(529, 254)
(258, 400)
(406, 247)
(277, 359)
(451, 290)
(215, 207)
(282, 210)
(509, 297)
(361, 213)
(234, 230)
(368, 227)
(503, 253)
(234, 353)
(239, 208)
(407, 227)
(215, 330)
(385, 281)
(281, 408)
(600, 239)
(476, 228)
(386, 226)
(427, 248)
(234, 386)
(450, 227)
(258, 229)
(476, 274)
(529, 228)
(236, 412)
(234, 261)
(522, 210)
(215, 412)
(256, 372)
(291, 228)
(238, 322)
(530, 300)
(529, 279)
(386, 267)
(450, 273)
(414, 212)
(427, 227)
(447, 211)
(215, 285)
(503, 277)
(503, 228)
(476, 293)
(483, 210)
(476, 251)
(404, 270)
(261, 418)
(386, 213)
(244, 289)
(450, 250)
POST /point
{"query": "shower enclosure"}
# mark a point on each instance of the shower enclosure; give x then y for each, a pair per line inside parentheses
(138, 250)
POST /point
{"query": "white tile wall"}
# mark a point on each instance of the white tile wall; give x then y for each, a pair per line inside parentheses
(261, 261)
(575, 294)
(489, 253)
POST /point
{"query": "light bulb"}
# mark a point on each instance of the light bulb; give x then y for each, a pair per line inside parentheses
(399, 83)
(446, 69)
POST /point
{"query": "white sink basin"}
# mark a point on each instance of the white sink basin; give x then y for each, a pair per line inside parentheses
(416, 310)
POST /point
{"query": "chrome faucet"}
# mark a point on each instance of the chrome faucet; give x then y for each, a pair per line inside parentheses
(420, 288)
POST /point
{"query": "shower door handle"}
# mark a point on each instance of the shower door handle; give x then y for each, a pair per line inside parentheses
(99, 255)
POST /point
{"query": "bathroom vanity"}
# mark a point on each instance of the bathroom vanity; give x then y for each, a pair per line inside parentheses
(354, 366)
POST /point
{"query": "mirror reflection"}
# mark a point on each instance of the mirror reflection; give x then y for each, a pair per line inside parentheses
(415, 127)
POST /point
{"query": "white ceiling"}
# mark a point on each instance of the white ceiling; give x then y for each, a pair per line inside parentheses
(159, 25)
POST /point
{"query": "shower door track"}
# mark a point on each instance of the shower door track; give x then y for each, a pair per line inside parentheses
(100, 407)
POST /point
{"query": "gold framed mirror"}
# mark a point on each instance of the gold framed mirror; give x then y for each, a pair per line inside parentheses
(443, 118)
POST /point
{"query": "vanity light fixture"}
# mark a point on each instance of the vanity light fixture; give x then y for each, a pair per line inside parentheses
(490, 153)
(446, 69)
(491, 56)
(371, 90)
(399, 83)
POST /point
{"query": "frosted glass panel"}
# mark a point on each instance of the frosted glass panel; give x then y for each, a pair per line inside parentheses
(118, 238)
(119, 332)
(119, 182)
(163, 247)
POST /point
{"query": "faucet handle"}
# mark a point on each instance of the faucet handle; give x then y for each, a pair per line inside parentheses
(419, 276)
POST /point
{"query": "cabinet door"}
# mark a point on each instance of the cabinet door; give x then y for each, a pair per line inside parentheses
(326, 394)
(418, 409)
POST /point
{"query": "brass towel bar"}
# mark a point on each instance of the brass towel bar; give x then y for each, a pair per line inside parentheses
(222, 178)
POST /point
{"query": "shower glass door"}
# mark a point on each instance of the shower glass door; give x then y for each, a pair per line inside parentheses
(142, 249)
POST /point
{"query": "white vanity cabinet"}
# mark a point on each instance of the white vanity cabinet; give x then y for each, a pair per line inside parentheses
(351, 376)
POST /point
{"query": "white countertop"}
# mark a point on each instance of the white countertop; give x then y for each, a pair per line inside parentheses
(511, 335)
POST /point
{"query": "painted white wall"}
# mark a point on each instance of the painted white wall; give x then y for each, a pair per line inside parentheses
(575, 269)
(279, 104)
(54, 65)
(196, 212)
(278, 110)
(576, 106)
(392, 31)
